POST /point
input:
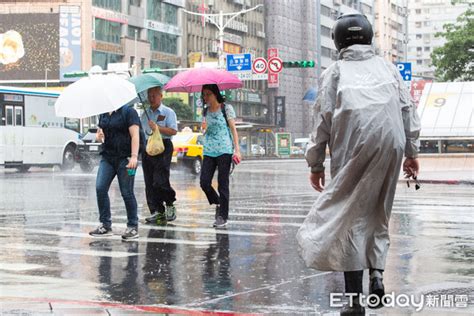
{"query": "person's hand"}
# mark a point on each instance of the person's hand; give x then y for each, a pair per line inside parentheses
(317, 180)
(411, 168)
(99, 135)
(237, 157)
(132, 163)
(152, 125)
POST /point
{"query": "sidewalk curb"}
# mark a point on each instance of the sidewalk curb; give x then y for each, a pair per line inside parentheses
(450, 182)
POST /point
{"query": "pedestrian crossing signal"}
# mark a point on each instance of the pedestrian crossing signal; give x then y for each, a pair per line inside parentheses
(299, 64)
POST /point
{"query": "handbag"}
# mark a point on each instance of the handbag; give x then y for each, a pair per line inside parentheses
(154, 145)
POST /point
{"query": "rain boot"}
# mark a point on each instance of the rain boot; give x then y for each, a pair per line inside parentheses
(376, 285)
(353, 284)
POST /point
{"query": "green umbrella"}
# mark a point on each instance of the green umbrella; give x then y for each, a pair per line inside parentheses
(149, 80)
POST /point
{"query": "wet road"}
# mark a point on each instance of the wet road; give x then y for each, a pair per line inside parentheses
(48, 260)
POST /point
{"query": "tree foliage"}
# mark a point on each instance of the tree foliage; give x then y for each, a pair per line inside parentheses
(455, 60)
(183, 111)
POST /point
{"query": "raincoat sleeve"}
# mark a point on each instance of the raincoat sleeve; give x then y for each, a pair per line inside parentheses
(411, 120)
(325, 103)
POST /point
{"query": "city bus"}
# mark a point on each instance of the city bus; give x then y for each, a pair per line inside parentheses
(30, 132)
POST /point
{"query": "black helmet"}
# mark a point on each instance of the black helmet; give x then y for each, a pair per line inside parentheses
(350, 29)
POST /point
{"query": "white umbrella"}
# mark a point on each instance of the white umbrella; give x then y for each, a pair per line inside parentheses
(94, 95)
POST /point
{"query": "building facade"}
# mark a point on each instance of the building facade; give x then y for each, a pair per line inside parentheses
(301, 30)
(77, 34)
(244, 34)
(390, 29)
(426, 18)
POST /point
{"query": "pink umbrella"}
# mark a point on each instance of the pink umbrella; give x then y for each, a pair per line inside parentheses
(192, 80)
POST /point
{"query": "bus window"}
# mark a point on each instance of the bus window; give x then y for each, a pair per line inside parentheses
(9, 115)
(72, 124)
(2, 119)
(18, 116)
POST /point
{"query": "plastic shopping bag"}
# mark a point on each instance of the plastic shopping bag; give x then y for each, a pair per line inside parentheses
(155, 144)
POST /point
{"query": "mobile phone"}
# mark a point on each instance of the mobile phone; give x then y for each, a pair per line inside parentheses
(235, 159)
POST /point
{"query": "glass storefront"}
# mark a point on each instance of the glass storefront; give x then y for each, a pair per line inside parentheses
(162, 12)
(102, 58)
(114, 5)
(163, 42)
(446, 146)
(107, 31)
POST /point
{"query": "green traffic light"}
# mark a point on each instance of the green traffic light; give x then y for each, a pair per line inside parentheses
(76, 74)
(151, 70)
(299, 64)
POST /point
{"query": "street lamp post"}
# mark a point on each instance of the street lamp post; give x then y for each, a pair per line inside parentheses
(135, 64)
(221, 21)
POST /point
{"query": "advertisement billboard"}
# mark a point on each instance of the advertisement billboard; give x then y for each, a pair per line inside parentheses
(38, 36)
(69, 40)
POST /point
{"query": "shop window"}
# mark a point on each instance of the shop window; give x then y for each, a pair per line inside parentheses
(107, 31)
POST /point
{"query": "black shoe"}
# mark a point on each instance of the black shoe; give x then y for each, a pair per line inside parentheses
(152, 218)
(354, 310)
(376, 287)
(220, 222)
(102, 231)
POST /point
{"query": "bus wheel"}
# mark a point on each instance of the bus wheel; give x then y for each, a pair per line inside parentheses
(68, 159)
(23, 168)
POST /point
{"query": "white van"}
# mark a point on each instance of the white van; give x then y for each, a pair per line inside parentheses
(30, 132)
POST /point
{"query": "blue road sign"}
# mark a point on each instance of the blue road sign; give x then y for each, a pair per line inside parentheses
(405, 70)
(239, 62)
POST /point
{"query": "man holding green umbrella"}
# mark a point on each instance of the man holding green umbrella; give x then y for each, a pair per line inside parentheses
(157, 117)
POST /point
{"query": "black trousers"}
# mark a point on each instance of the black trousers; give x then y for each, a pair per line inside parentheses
(156, 170)
(209, 165)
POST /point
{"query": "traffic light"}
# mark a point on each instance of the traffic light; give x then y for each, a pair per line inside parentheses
(299, 64)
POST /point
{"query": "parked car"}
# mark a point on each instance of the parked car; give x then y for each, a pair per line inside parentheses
(257, 150)
(297, 151)
(188, 151)
(87, 151)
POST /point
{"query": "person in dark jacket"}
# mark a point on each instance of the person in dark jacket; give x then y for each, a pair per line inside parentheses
(119, 133)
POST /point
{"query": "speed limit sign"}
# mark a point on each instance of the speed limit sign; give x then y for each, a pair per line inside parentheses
(259, 65)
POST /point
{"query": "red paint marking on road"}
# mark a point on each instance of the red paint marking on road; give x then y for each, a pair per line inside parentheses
(143, 308)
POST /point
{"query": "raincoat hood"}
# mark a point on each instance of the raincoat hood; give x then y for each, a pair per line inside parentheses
(357, 52)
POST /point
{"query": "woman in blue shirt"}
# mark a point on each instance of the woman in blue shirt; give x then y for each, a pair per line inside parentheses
(221, 144)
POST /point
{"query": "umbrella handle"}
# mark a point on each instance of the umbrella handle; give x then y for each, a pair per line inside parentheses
(144, 109)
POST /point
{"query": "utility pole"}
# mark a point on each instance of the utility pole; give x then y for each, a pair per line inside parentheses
(221, 20)
(135, 64)
(46, 77)
(318, 37)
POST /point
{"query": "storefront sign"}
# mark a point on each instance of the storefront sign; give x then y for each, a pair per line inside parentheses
(162, 27)
(110, 15)
(231, 38)
(238, 26)
(283, 144)
(107, 47)
(231, 48)
(170, 59)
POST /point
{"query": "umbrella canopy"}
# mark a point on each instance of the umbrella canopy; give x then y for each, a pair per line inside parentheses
(310, 95)
(94, 95)
(192, 80)
(150, 80)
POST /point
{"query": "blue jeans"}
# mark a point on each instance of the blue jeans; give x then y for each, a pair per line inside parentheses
(108, 169)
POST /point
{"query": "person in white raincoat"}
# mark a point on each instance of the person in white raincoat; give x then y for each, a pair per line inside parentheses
(365, 115)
